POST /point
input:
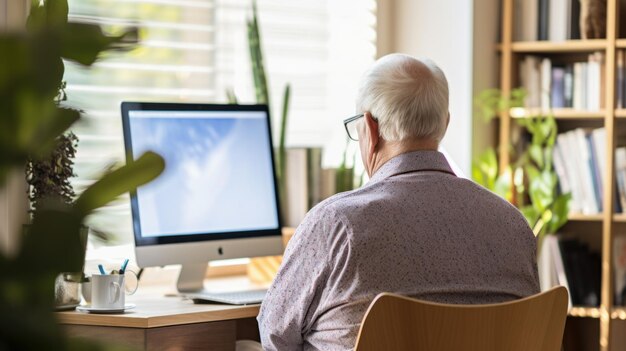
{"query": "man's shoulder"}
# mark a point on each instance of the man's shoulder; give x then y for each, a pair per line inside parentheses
(483, 194)
(333, 213)
(341, 202)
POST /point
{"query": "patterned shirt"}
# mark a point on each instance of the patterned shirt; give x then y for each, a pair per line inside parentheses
(414, 229)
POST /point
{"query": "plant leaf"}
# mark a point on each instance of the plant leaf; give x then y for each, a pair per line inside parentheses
(83, 42)
(230, 95)
(503, 185)
(533, 172)
(536, 154)
(63, 254)
(125, 179)
(560, 211)
(485, 169)
(531, 215)
(540, 194)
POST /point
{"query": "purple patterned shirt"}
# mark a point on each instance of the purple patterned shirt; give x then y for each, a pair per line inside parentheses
(414, 229)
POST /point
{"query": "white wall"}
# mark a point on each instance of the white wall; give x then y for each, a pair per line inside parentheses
(440, 30)
(485, 63)
(459, 35)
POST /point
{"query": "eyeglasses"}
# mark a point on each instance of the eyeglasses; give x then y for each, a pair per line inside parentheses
(351, 124)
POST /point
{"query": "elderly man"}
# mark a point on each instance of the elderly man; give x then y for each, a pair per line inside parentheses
(414, 229)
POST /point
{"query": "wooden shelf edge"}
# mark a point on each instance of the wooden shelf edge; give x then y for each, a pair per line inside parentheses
(555, 47)
(618, 313)
(584, 312)
(558, 113)
(584, 217)
(620, 113)
(579, 217)
(620, 43)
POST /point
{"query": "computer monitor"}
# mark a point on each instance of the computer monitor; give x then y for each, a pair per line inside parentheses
(216, 199)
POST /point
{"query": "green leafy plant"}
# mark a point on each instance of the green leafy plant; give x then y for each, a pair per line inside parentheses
(547, 210)
(530, 183)
(30, 123)
(50, 176)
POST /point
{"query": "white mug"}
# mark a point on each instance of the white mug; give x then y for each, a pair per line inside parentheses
(107, 291)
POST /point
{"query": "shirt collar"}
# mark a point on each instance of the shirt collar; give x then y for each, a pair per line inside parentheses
(415, 161)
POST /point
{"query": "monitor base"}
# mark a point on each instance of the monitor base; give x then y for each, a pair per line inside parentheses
(191, 277)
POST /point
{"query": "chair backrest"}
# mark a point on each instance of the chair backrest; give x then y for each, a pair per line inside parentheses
(535, 323)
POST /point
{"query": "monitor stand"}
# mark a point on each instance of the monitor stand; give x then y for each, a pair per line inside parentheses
(191, 277)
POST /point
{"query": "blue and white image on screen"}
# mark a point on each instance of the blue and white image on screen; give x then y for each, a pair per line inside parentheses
(218, 175)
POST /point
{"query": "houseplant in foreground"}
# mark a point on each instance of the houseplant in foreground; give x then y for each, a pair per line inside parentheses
(30, 123)
(49, 177)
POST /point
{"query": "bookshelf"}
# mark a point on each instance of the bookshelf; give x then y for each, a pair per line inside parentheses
(607, 222)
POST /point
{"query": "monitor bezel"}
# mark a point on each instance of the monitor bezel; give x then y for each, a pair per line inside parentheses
(128, 106)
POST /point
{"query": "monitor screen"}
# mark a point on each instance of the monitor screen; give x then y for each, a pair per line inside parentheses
(219, 179)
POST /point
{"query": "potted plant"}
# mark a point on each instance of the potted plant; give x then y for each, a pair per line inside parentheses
(48, 179)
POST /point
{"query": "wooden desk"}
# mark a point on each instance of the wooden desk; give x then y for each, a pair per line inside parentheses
(169, 323)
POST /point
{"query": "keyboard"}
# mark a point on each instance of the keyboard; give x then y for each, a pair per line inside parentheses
(248, 297)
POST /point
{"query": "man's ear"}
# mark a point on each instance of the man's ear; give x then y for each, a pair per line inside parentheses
(371, 128)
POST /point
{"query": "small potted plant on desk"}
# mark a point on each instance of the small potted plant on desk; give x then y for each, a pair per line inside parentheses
(48, 179)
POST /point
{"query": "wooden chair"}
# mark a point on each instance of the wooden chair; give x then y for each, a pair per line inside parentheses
(535, 323)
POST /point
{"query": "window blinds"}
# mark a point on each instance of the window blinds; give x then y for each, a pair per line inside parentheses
(194, 50)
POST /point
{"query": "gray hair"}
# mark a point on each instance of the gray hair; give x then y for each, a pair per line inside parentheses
(408, 97)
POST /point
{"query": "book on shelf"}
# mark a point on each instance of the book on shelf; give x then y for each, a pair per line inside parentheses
(585, 168)
(620, 174)
(554, 20)
(550, 265)
(570, 263)
(620, 94)
(546, 83)
(543, 19)
(573, 20)
(557, 25)
(557, 91)
(579, 158)
(596, 174)
(580, 164)
(619, 264)
(578, 85)
(595, 88)
(527, 29)
(568, 86)
(531, 80)
(567, 173)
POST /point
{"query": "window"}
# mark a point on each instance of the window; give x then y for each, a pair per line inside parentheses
(194, 50)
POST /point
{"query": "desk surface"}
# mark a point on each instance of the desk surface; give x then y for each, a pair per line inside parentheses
(154, 309)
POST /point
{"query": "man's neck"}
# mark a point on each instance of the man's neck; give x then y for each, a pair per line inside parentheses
(391, 149)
